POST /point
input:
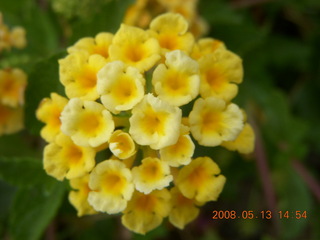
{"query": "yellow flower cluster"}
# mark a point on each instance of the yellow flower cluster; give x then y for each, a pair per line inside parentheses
(13, 82)
(124, 93)
(142, 12)
(11, 38)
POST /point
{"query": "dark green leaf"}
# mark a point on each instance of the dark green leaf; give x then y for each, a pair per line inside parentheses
(43, 80)
(293, 196)
(32, 211)
(108, 19)
(25, 172)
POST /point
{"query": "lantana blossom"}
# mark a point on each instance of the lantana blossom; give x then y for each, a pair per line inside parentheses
(177, 81)
(206, 46)
(244, 143)
(213, 121)
(98, 45)
(151, 174)
(181, 152)
(64, 159)
(221, 71)
(201, 180)
(111, 185)
(121, 144)
(78, 73)
(48, 112)
(146, 211)
(146, 99)
(15, 37)
(88, 123)
(78, 197)
(12, 86)
(184, 210)
(171, 32)
(120, 87)
(134, 47)
(155, 122)
(11, 119)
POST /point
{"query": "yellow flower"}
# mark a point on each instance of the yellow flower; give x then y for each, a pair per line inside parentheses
(155, 123)
(177, 81)
(171, 31)
(212, 121)
(206, 46)
(199, 27)
(184, 7)
(63, 159)
(146, 212)
(221, 71)
(111, 185)
(78, 197)
(14, 38)
(122, 145)
(181, 152)
(78, 73)
(88, 123)
(134, 47)
(244, 143)
(120, 87)
(140, 13)
(183, 209)
(12, 86)
(11, 119)
(49, 112)
(18, 37)
(151, 174)
(201, 180)
(98, 45)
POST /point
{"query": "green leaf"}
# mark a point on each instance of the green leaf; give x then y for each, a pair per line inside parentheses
(108, 19)
(32, 210)
(43, 79)
(7, 193)
(25, 172)
(293, 196)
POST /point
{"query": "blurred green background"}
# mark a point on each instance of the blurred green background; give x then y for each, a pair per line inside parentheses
(279, 42)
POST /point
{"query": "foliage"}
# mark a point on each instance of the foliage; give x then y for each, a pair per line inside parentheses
(279, 44)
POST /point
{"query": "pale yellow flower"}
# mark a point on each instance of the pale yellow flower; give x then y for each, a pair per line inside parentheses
(177, 81)
(88, 123)
(155, 123)
(183, 209)
(151, 174)
(221, 71)
(120, 87)
(206, 46)
(11, 38)
(122, 145)
(98, 45)
(18, 37)
(11, 119)
(12, 86)
(171, 31)
(213, 121)
(201, 180)
(78, 73)
(181, 152)
(63, 159)
(49, 112)
(134, 47)
(111, 185)
(78, 197)
(146, 212)
(244, 143)
(199, 27)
